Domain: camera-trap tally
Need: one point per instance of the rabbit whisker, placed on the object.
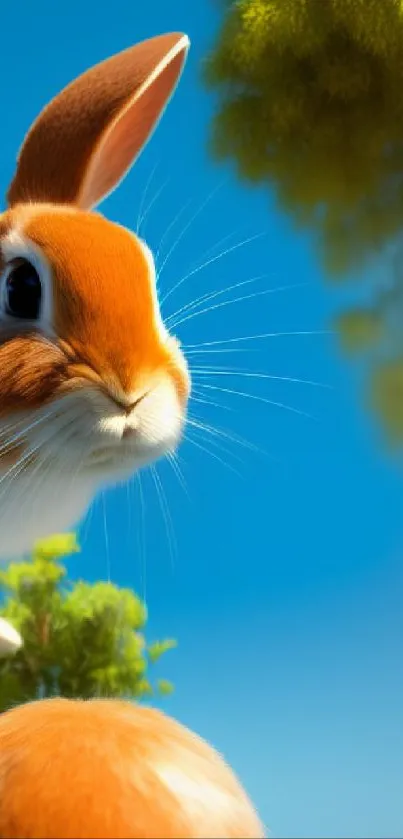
(235, 300)
(144, 196)
(106, 538)
(85, 525)
(151, 204)
(168, 230)
(211, 371)
(173, 460)
(222, 351)
(210, 261)
(255, 338)
(166, 515)
(11, 441)
(20, 465)
(42, 466)
(193, 218)
(142, 537)
(258, 398)
(26, 487)
(6, 428)
(210, 296)
(218, 244)
(9, 428)
(221, 433)
(201, 400)
(208, 451)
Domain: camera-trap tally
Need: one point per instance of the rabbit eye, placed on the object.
(23, 291)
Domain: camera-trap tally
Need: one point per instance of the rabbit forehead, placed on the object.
(103, 283)
(90, 255)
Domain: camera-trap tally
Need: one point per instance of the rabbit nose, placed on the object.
(128, 407)
(130, 428)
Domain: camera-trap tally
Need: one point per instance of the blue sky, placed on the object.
(286, 584)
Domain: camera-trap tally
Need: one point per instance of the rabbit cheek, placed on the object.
(159, 419)
(10, 454)
(31, 373)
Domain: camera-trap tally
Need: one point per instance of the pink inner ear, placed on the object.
(124, 139)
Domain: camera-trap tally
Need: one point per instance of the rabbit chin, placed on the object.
(80, 447)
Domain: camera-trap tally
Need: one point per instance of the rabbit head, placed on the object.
(92, 385)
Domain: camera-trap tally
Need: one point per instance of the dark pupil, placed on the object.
(24, 292)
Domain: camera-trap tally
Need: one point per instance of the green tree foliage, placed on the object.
(386, 396)
(310, 103)
(79, 640)
(359, 330)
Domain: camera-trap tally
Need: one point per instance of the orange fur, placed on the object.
(104, 313)
(107, 768)
(104, 305)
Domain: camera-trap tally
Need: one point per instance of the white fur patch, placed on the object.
(38, 505)
(79, 446)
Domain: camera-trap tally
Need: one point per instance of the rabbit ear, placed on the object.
(87, 138)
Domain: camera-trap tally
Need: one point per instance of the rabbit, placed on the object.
(108, 768)
(92, 384)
